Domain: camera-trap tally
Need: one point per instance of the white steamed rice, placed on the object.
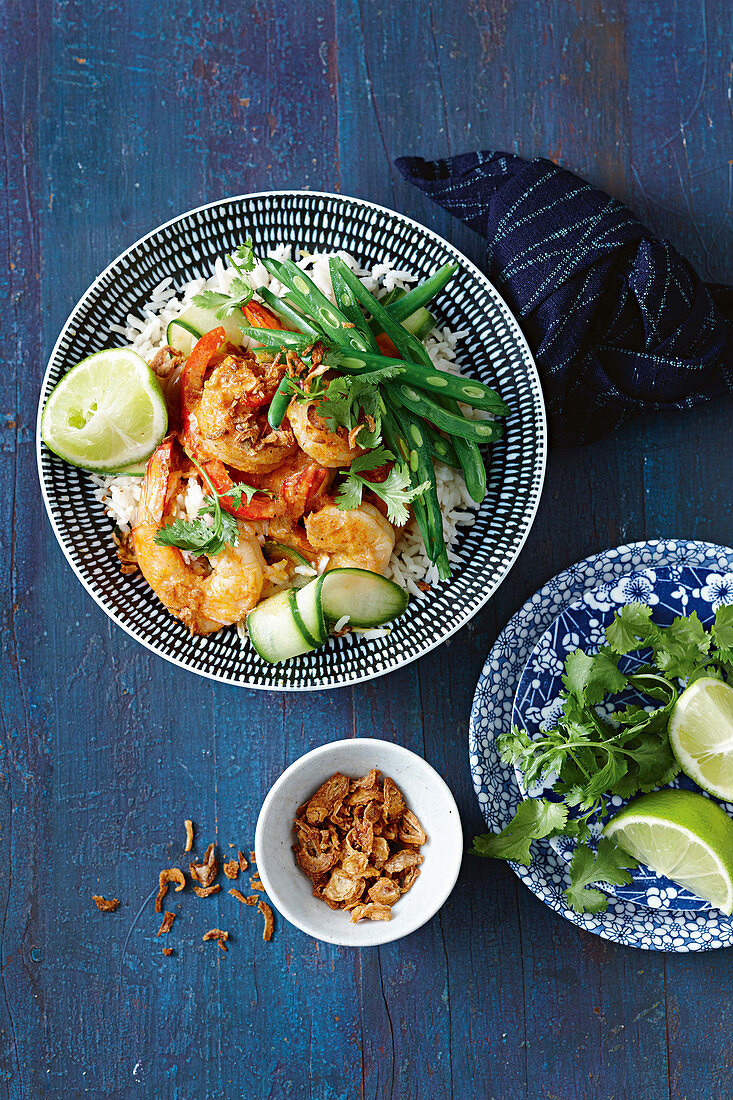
(147, 334)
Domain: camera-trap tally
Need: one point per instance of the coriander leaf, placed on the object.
(210, 299)
(335, 407)
(240, 292)
(652, 684)
(513, 744)
(349, 399)
(241, 489)
(396, 495)
(591, 678)
(243, 257)
(577, 673)
(364, 383)
(198, 537)
(535, 819)
(651, 764)
(609, 864)
(680, 647)
(393, 490)
(723, 627)
(380, 456)
(630, 625)
(191, 535)
(349, 495)
(723, 636)
(604, 779)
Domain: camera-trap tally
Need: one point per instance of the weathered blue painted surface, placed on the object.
(115, 117)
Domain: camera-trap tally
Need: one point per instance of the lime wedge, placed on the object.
(701, 735)
(684, 836)
(108, 412)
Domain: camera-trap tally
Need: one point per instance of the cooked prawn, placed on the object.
(359, 537)
(224, 415)
(298, 484)
(204, 603)
(328, 448)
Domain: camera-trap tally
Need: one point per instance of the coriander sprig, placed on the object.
(395, 490)
(589, 759)
(348, 401)
(199, 537)
(243, 260)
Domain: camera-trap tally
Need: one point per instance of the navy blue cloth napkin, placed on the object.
(618, 321)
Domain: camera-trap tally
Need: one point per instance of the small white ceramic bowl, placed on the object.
(426, 795)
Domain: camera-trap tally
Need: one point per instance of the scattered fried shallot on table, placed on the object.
(217, 934)
(266, 911)
(203, 875)
(206, 891)
(231, 868)
(251, 900)
(105, 905)
(205, 872)
(172, 874)
(165, 927)
(359, 844)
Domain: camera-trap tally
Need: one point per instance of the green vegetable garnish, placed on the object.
(393, 491)
(240, 292)
(608, 864)
(199, 537)
(592, 758)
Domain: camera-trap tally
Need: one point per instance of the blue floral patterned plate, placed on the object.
(670, 591)
(496, 785)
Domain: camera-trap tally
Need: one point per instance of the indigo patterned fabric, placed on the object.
(618, 321)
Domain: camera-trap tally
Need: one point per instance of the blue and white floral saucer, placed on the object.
(670, 591)
(496, 784)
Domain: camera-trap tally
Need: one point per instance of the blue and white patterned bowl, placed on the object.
(670, 591)
(496, 785)
(496, 352)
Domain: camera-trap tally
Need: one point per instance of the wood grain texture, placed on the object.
(115, 118)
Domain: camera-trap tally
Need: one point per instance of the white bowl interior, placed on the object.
(426, 794)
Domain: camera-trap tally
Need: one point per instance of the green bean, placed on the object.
(469, 390)
(318, 307)
(483, 431)
(349, 305)
(275, 268)
(443, 449)
(278, 338)
(280, 401)
(420, 295)
(421, 467)
(397, 443)
(284, 310)
(404, 341)
(470, 458)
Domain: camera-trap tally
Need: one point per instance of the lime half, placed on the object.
(701, 735)
(108, 412)
(683, 836)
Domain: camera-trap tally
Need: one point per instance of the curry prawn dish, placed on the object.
(285, 447)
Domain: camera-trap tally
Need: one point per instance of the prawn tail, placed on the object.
(155, 483)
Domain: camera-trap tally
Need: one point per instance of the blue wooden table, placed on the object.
(116, 116)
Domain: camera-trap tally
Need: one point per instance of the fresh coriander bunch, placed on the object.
(588, 758)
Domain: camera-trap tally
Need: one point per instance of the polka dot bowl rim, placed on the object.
(186, 246)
